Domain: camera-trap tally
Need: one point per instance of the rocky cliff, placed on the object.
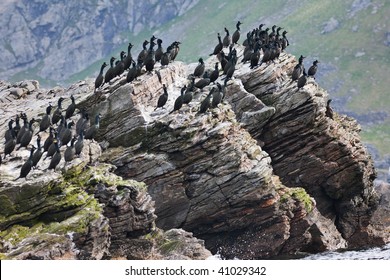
(264, 174)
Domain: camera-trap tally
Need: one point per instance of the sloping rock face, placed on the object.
(264, 174)
(205, 172)
(80, 211)
(310, 150)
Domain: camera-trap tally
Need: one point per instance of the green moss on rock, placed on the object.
(298, 194)
(7, 208)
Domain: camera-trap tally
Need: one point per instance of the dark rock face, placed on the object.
(324, 156)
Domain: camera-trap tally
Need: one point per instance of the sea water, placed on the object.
(377, 253)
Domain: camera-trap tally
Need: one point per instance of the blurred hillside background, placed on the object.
(59, 42)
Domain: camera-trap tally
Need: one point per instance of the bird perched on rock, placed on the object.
(128, 59)
(9, 146)
(149, 59)
(23, 129)
(49, 140)
(110, 72)
(329, 111)
(79, 144)
(298, 69)
(162, 100)
(46, 120)
(55, 160)
(302, 80)
(313, 69)
(58, 112)
(38, 153)
(100, 79)
(232, 67)
(17, 125)
(199, 70)
(71, 108)
(236, 34)
(120, 67)
(91, 132)
(27, 135)
(215, 74)
(227, 40)
(217, 96)
(218, 48)
(175, 50)
(142, 55)
(187, 98)
(202, 83)
(66, 134)
(205, 105)
(285, 42)
(166, 57)
(8, 133)
(179, 100)
(52, 148)
(70, 151)
(255, 56)
(26, 167)
(132, 73)
(159, 52)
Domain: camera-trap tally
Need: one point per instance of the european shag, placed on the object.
(329, 111)
(8, 133)
(199, 70)
(218, 47)
(46, 120)
(215, 74)
(71, 108)
(70, 151)
(26, 167)
(162, 100)
(58, 112)
(55, 160)
(91, 132)
(27, 136)
(66, 134)
(142, 55)
(79, 144)
(38, 153)
(217, 96)
(159, 51)
(302, 80)
(227, 40)
(127, 61)
(313, 69)
(179, 100)
(236, 34)
(205, 105)
(23, 129)
(120, 67)
(100, 79)
(132, 73)
(110, 72)
(9, 146)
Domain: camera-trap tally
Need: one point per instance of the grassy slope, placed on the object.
(362, 81)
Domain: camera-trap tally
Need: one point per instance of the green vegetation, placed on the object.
(298, 194)
(377, 135)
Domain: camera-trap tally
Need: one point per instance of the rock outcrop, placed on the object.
(264, 174)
